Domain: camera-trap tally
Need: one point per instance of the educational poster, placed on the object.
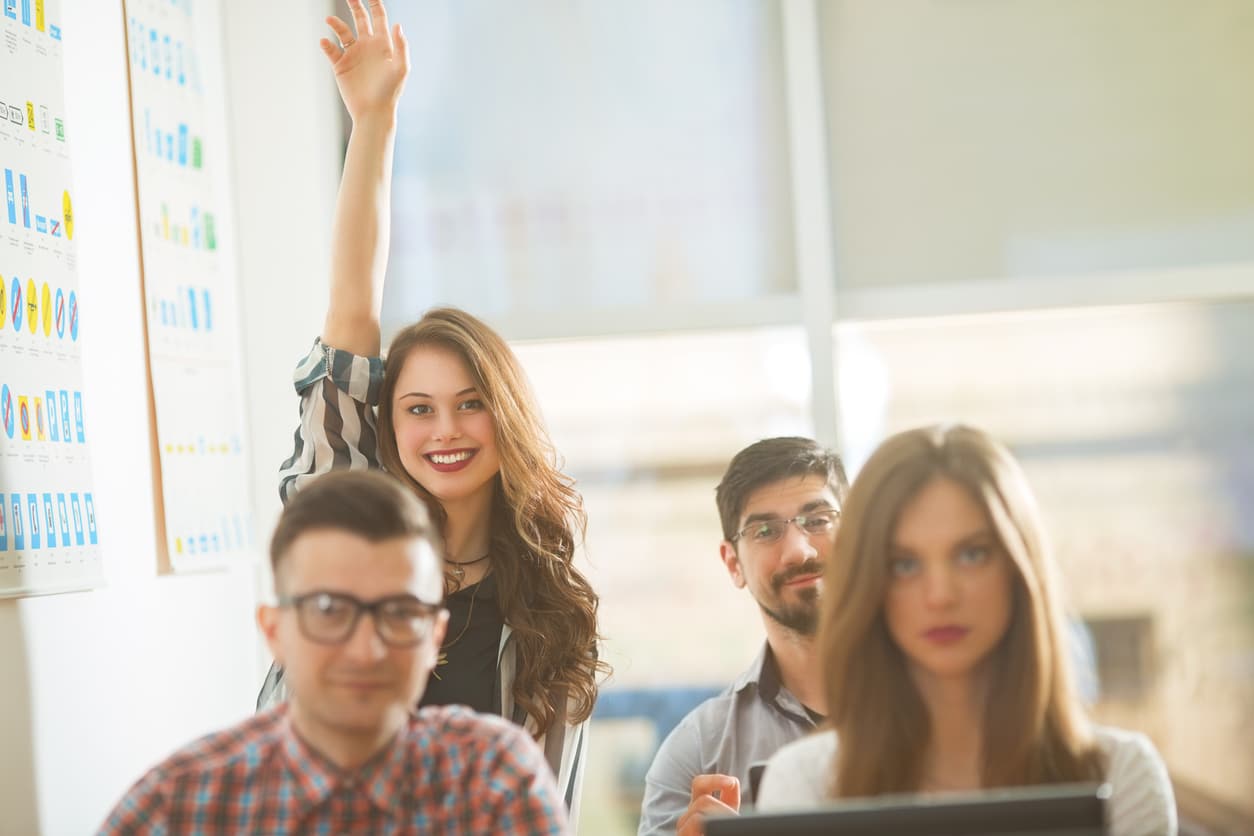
(178, 105)
(48, 526)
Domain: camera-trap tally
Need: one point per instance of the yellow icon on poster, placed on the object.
(39, 419)
(32, 305)
(68, 211)
(39, 15)
(4, 303)
(46, 301)
(30, 115)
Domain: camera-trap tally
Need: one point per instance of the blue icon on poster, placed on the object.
(59, 307)
(91, 518)
(4, 527)
(73, 315)
(65, 416)
(54, 424)
(78, 415)
(32, 502)
(16, 522)
(6, 405)
(15, 302)
(10, 195)
(50, 522)
(65, 520)
(21, 179)
(78, 519)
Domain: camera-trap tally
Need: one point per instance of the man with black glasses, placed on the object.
(357, 627)
(779, 503)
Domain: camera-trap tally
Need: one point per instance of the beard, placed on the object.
(802, 617)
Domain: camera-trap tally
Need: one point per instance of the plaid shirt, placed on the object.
(450, 771)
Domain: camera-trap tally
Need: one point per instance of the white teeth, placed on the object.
(451, 458)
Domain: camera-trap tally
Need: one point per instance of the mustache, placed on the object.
(810, 567)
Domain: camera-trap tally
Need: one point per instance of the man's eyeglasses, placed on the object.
(331, 617)
(766, 532)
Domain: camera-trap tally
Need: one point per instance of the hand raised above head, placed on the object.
(704, 803)
(370, 65)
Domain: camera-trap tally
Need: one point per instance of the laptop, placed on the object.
(1052, 810)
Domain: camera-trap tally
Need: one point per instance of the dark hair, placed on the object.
(370, 504)
(771, 460)
(537, 519)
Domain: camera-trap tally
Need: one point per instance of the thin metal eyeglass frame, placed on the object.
(799, 521)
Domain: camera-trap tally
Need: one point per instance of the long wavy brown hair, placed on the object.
(536, 520)
(1035, 729)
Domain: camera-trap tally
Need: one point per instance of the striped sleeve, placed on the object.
(566, 750)
(338, 393)
(564, 744)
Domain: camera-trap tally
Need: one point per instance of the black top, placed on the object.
(466, 672)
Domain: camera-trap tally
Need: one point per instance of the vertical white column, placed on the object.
(812, 211)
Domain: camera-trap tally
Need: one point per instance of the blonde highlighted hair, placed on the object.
(537, 518)
(1035, 730)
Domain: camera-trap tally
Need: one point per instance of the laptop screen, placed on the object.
(1057, 810)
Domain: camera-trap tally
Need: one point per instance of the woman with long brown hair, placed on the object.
(944, 647)
(457, 423)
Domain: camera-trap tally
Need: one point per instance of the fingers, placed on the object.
(360, 19)
(726, 787)
(378, 16)
(692, 822)
(332, 51)
(402, 46)
(341, 30)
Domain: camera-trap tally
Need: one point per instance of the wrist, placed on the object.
(382, 121)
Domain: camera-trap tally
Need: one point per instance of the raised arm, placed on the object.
(370, 68)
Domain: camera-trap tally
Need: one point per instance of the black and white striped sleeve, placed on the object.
(338, 394)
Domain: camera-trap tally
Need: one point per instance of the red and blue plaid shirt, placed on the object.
(450, 771)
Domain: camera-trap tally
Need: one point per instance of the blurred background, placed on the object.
(706, 223)
(701, 223)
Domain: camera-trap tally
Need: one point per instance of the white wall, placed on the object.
(96, 686)
(287, 143)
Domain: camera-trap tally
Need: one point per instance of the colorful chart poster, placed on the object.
(178, 103)
(48, 526)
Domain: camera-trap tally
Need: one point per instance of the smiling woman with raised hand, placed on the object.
(944, 649)
(450, 414)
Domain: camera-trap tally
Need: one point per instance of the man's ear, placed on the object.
(268, 622)
(731, 560)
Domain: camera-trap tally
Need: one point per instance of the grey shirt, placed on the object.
(726, 734)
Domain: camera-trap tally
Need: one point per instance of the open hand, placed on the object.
(370, 66)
